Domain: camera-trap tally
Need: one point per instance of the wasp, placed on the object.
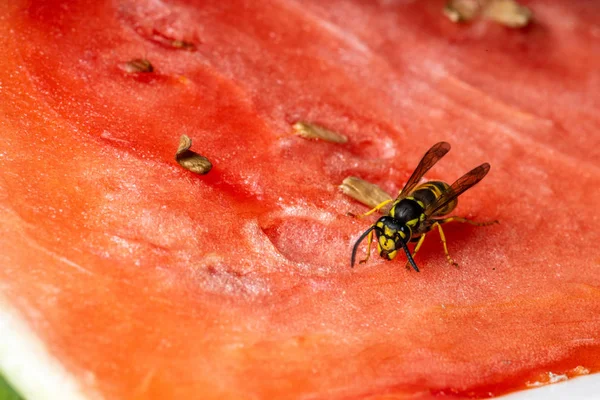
(418, 209)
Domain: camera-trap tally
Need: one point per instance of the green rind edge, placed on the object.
(7, 392)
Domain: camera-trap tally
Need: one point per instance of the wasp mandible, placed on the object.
(418, 209)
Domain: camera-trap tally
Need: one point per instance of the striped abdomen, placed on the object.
(427, 193)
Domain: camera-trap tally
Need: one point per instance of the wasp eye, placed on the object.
(405, 233)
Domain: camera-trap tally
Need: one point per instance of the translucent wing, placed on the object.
(459, 187)
(432, 156)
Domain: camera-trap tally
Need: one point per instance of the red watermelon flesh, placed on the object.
(145, 281)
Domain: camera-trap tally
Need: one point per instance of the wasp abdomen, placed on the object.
(428, 193)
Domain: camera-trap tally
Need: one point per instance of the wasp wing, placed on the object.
(433, 155)
(459, 187)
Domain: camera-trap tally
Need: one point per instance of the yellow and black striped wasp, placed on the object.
(418, 209)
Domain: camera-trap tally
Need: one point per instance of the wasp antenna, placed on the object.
(410, 259)
(355, 248)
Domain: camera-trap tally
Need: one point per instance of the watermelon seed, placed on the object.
(461, 10)
(138, 65)
(190, 160)
(506, 12)
(312, 131)
(364, 192)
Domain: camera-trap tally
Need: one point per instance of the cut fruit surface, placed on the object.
(141, 280)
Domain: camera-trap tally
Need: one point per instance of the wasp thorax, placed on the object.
(389, 232)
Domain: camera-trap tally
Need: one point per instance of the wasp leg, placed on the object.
(417, 247)
(443, 238)
(377, 208)
(468, 221)
(369, 239)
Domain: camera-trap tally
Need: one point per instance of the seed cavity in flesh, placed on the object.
(169, 42)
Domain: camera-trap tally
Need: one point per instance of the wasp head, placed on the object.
(392, 235)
